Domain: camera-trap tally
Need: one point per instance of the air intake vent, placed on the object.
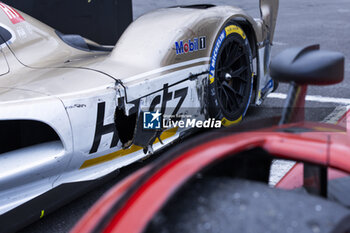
(17, 134)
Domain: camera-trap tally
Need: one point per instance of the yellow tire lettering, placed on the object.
(234, 29)
(211, 79)
(226, 122)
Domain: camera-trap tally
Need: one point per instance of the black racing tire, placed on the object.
(230, 75)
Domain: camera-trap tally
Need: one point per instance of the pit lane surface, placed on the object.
(299, 23)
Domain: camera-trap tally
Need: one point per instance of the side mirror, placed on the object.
(301, 67)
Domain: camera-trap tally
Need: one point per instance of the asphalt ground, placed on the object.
(300, 23)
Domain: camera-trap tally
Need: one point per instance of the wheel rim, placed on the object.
(232, 76)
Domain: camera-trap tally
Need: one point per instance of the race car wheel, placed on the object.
(230, 76)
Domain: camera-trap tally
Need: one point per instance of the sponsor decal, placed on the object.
(11, 13)
(234, 29)
(103, 129)
(149, 123)
(167, 96)
(214, 56)
(190, 46)
(152, 120)
(227, 31)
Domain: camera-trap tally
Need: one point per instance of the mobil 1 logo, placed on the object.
(192, 45)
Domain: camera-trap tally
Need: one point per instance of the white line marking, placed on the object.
(314, 98)
(279, 169)
(279, 43)
(337, 113)
(156, 71)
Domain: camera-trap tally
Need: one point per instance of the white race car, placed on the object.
(73, 111)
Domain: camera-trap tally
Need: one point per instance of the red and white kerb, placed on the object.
(13, 15)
